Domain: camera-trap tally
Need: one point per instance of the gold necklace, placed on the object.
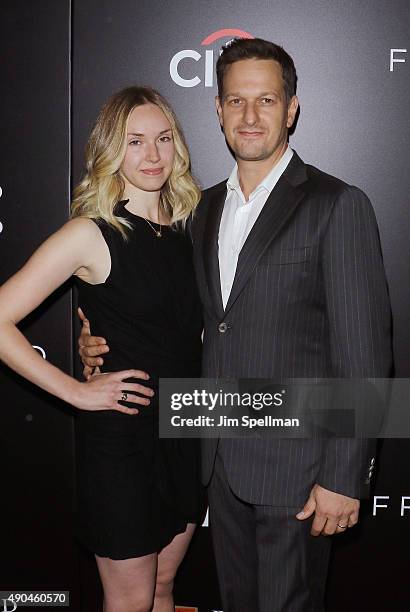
(158, 233)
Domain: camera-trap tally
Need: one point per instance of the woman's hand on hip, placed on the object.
(105, 391)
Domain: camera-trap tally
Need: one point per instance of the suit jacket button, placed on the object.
(222, 327)
(372, 461)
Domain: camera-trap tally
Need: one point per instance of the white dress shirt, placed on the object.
(238, 218)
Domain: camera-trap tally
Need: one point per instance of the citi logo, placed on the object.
(208, 65)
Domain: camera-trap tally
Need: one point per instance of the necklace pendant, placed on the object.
(158, 234)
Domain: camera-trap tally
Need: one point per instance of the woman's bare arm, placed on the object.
(70, 249)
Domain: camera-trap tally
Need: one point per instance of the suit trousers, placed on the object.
(267, 561)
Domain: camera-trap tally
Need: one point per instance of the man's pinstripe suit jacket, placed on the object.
(309, 299)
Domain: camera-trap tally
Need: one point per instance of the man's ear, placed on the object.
(292, 110)
(218, 106)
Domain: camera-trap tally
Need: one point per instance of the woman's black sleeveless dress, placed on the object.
(136, 491)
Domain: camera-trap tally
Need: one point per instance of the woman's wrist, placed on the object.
(72, 391)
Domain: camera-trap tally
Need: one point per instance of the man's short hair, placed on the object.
(256, 48)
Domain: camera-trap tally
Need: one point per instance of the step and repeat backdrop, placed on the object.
(60, 61)
(36, 432)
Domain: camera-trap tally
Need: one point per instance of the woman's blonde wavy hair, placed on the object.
(102, 186)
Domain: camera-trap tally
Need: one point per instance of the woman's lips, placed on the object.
(152, 171)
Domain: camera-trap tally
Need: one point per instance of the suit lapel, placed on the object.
(279, 207)
(210, 248)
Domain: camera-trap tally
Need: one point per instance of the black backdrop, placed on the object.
(60, 60)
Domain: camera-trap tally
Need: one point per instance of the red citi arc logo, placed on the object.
(227, 32)
(196, 56)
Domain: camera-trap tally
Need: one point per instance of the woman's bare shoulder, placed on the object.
(82, 225)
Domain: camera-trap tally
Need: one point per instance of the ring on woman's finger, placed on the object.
(342, 526)
(124, 396)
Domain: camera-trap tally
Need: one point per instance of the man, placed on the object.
(290, 273)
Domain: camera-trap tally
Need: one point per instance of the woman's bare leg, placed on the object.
(169, 560)
(128, 584)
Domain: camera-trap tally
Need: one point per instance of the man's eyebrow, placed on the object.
(263, 93)
(269, 93)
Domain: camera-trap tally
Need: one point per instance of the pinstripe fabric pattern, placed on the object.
(286, 571)
(309, 299)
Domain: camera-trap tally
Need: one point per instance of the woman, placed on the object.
(138, 496)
